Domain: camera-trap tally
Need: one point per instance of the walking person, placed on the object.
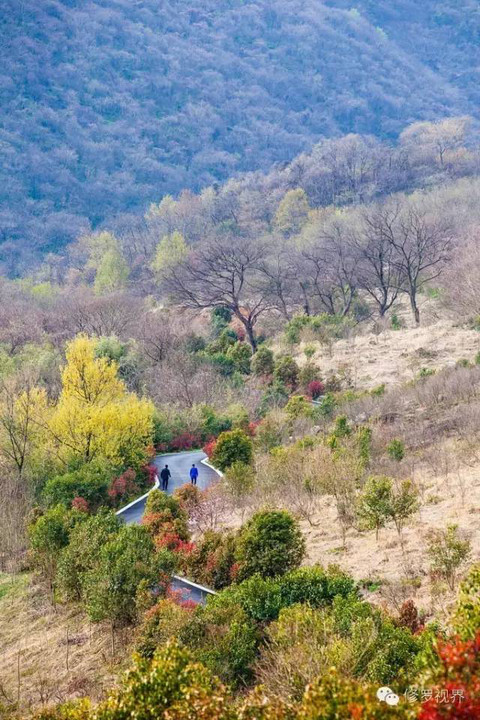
(193, 474)
(164, 476)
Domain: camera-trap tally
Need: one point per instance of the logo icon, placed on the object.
(384, 694)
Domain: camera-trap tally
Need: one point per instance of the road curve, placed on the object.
(179, 465)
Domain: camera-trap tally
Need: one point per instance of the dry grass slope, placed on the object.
(50, 654)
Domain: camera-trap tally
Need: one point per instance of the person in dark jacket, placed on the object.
(164, 476)
(193, 474)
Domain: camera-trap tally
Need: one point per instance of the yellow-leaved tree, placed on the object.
(95, 415)
(21, 404)
(170, 251)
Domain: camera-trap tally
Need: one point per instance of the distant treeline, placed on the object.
(108, 106)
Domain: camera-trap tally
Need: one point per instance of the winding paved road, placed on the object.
(179, 465)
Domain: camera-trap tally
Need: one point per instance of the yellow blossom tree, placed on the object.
(95, 415)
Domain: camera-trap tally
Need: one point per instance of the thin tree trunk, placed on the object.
(250, 334)
(414, 306)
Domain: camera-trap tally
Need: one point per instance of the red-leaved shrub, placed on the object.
(149, 471)
(457, 692)
(185, 441)
(209, 447)
(123, 485)
(170, 540)
(315, 389)
(79, 503)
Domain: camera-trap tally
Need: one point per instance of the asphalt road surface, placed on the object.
(179, 465)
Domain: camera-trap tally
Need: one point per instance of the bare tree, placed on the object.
(185, 381)
(422, 247)
(378, 271)
(224, 272)
(116, 314)
(281, 273)
(328, 271)
(157, 336)
(15, 505)
(462, 278)
(20, 320)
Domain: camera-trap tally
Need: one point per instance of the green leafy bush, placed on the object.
(48, 535)
(298, 406)
(467, 615)
(275, 396)
(225, 639)
(396, 450)
(448, 551)
(316, 586)
(262, 361)
(374, 503)
(240, 353)
(269, 544)
(286, 371)
(125, 563)
(91, 482)
(212, 561)
(172, 685)
(81, 555)
(232, 446)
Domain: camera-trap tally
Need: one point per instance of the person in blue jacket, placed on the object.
(193, 474)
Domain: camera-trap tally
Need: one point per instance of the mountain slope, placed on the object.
(107, 105)
(445, 35)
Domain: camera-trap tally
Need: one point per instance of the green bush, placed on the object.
(224, 639)
(232, 446)
(448, 552)
(275, 396)
(263, 361)
(221, 362)
(125, 563)
(81, 555)
(316, 586)
(238, 417)
(298, 406)
(335, 697)
(259, 597)
(90, 482)
(269, 544)
(467, 614)
(241, 355)
(220, 318)
(286, 371)
(396, 450)
(239, 481)
(375, 503)
(171, 685)
(48, 535)
(213, 559)
(263, 598)
(225, 340)
(158, 501)
(326, 407)
(165, 514)
(342, 428)
(308, 374)
(212, 424)
(163, 622)
(325, 327)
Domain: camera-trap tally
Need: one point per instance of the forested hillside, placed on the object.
(444, 35)
(107, 105)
